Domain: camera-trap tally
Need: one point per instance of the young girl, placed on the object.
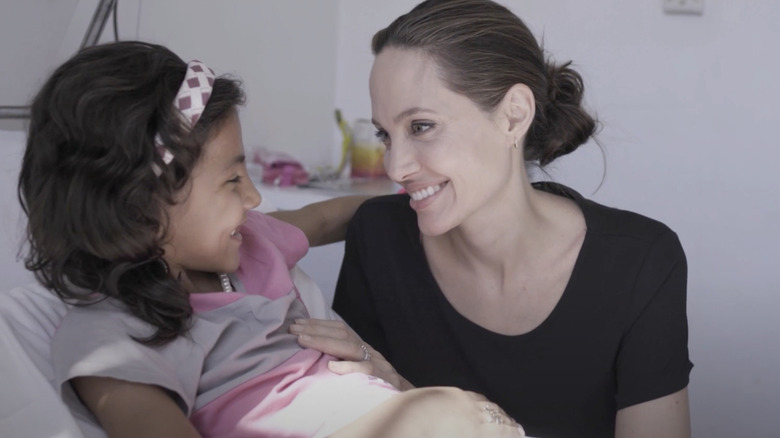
(141, 213)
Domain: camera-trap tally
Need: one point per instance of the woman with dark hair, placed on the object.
(569, 314)
(141, 214)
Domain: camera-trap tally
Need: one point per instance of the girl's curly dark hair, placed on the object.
(95, 206)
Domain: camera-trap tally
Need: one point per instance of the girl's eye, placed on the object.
(235, 180)
(420, 127)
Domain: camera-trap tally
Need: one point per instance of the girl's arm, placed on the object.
(127, 409)
(667, 416)
(325, 221)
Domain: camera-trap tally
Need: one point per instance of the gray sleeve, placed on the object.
(97, 340)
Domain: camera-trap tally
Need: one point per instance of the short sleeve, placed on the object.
(653, 357)
(97, 340)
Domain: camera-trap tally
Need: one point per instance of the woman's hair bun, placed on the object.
(563, 124)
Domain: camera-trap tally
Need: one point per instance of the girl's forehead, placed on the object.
(225, 147)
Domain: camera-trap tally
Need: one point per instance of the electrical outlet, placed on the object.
(695, 7)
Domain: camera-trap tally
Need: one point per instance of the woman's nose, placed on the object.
(400, 162)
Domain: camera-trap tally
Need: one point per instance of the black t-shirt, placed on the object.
(617, 337)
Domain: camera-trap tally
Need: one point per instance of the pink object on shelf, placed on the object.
(280, 168)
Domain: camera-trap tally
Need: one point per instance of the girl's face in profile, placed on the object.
(451, 156)
(203, 235)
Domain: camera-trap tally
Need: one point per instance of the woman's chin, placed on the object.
(431, 228)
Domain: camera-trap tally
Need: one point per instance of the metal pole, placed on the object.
(14, 112)
(91, 38)
(95, 28)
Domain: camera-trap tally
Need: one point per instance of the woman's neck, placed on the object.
(510, 234)
(495, 232)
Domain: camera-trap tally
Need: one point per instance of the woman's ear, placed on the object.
(519, 106)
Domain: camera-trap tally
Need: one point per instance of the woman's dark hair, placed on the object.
(94, 203)
(483, 49)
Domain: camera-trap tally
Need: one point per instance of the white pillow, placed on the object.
(29, 403)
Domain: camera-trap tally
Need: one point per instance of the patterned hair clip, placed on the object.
(194, 92)
(190, 101)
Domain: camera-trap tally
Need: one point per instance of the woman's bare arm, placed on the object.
(127, 409)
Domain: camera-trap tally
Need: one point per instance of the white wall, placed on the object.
(283, 50)
(689, 106)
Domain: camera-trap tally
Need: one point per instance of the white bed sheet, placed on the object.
(29, 404)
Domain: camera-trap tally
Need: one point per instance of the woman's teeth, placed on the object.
(426, 192)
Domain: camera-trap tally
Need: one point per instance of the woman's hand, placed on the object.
(335, 338)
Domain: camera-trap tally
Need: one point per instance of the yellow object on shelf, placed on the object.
(346, 142)
(367, 151)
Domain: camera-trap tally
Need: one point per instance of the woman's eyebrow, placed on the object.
(410, 112)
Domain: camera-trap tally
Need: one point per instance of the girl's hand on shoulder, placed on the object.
(336, 338)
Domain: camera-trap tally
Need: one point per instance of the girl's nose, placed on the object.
(251, 196)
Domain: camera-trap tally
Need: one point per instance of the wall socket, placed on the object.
(695, 7)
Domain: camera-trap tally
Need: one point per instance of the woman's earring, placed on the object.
(515, 145)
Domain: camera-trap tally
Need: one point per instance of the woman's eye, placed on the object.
(381, 135)
(420, 127)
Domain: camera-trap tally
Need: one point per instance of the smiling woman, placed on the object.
(570, 314)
